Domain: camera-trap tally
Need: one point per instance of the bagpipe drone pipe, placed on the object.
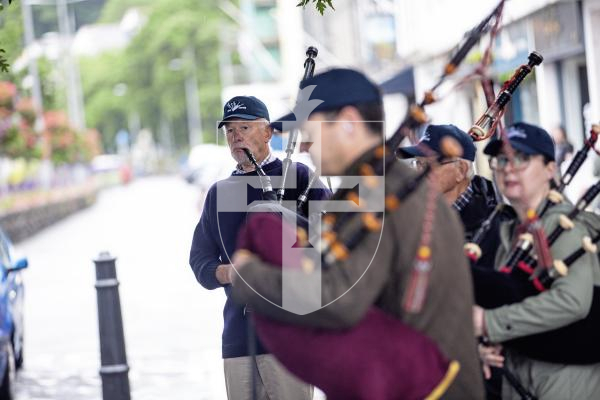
(309, 70)
(487, 123)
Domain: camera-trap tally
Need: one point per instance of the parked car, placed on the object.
(111, 169)
(206, 164)
(11, 316)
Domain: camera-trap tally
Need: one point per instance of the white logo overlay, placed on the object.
(301, 287)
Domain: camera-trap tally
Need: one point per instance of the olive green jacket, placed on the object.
(568, 300)
(349, 288)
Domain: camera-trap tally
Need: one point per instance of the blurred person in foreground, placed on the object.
(246, 125)
(344, 129)
(526, 181)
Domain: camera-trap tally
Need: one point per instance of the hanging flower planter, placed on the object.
(8, 93)
(26, 111)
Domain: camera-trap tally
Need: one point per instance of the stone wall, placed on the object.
(21, 225)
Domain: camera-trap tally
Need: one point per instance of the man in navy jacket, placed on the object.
(246, 125)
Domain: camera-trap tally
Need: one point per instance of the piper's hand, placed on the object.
(491, 356)
(478, 321)
(240, 259)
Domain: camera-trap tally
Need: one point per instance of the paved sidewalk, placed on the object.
(172, 325)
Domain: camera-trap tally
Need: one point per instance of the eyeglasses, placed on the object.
(421, 164)
(519, 161)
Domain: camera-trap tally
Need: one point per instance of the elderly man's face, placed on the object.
(447, 174)
(253, 135)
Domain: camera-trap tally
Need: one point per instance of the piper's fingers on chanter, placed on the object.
(491, 355)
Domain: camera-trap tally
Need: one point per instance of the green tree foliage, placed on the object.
(2, 5)
(155, 91)
(11, 33)
(104, 110)
(3, 62)
(54, 93)
(321, 5)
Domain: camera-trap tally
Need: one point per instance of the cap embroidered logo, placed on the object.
(515, 132)
(234, 105)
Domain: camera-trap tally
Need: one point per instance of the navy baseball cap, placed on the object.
(244, 107)
(329, 91)
(526, 138)
(432, 138)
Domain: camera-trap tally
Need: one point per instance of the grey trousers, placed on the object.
(273, 381)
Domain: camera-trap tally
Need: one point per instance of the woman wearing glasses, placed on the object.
(524, 175)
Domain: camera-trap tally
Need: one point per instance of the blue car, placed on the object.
(11, 316)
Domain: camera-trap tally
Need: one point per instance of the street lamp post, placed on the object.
(74, 92)
(192, 97)
(36, 89)
(122, 138)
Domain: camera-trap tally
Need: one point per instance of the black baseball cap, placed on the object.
(432, 138)
(244, 107)
(526, 138)
(329, 91)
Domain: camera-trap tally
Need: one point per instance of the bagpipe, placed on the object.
(524, 275)
(472, 249)
(416, 115)
(380, 358)
(383, 157)
(380, 344)
(487, 123)
(268, 193)
(274, 202)
(486, 126)
(265, 180)
(366, 361)
(589, 144)
(309, 70)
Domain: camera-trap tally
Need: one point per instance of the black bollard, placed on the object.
(114, 369)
